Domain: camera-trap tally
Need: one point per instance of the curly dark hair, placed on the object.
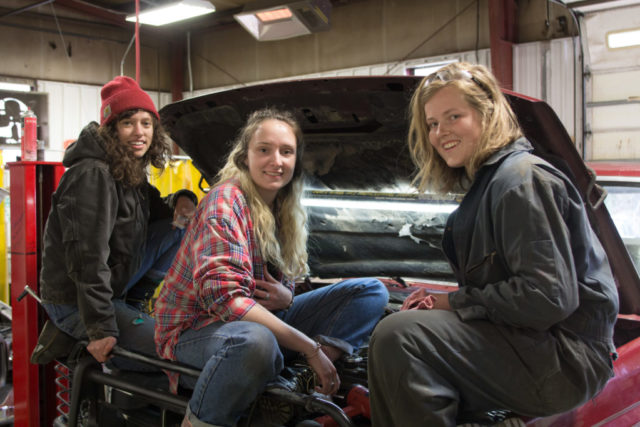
(124, 166)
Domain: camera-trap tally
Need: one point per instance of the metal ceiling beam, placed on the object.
(98, 12)
(503, 29)
(24, 9)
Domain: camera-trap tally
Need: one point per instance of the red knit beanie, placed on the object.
(122, 94)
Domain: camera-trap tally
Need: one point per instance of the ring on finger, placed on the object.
(267, 296)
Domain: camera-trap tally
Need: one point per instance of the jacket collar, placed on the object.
(88, 145)
(521, 144)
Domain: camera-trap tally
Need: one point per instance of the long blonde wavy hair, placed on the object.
(282, 234)
(499, 125)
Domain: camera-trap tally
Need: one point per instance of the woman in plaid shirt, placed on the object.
(228, 305)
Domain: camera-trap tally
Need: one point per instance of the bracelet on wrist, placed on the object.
(290, 302)
(315, 351)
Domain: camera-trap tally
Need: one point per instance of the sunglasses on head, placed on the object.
(447, 76)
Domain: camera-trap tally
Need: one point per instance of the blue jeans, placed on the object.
(136, 328)
(238, 359)
(161, 247)
(136, 331)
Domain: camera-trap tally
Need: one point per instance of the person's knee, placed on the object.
(255, 346)
(379, 290)
(374, 285)
(258, 339)
(387, 333)
(402, 331)
(375, 291)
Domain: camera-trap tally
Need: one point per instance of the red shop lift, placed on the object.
(32, 184)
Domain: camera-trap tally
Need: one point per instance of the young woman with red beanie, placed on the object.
(109, 231)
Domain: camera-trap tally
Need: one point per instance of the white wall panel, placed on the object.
(564, 94)
(56, 107)
(163, 98)
(616, 117)
(615, 130)
(547, 71)
(528, 65)
(615, 133)
(615, 86)
(71, 106)
(90, 99)
(616, 145)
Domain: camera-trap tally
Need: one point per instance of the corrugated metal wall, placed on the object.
(548, 71)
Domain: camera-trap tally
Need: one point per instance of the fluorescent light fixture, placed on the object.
(173, 12)
(18, 87)
(270, 16)
(426, 69)
(380, 205)
(277, 20)
(626, 38)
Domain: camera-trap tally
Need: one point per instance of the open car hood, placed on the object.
(364, 217)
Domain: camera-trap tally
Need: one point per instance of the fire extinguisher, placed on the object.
(29, 136)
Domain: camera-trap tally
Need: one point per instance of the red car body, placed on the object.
(623, 170)
(618, 405)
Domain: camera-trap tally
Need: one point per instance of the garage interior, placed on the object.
(61, 52)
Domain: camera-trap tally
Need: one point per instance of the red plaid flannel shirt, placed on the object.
(212, 276)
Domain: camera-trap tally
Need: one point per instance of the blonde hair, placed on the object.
(499, 125)
(282, 238)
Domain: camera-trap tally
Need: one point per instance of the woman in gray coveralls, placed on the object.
(530, 327)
